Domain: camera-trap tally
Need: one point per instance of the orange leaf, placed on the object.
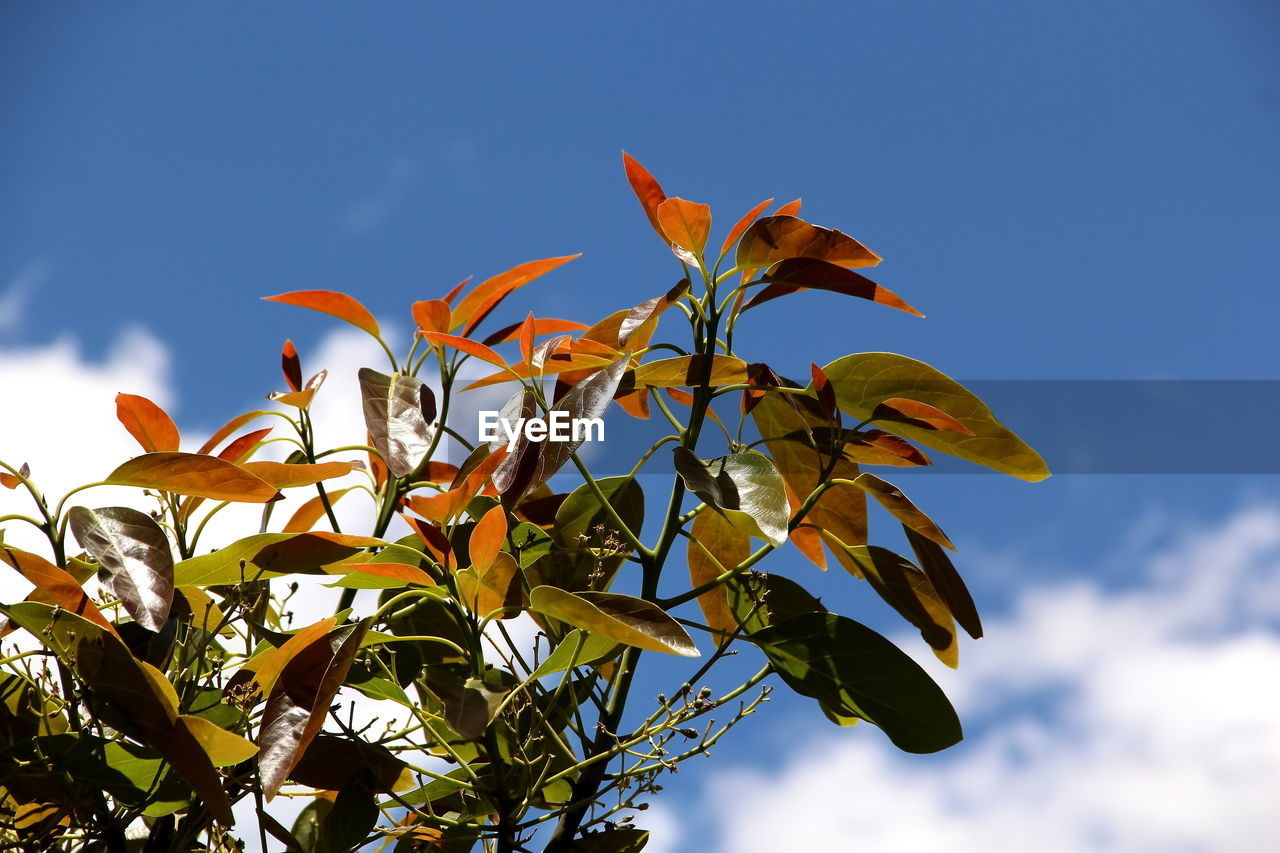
(228, 428)
(193, 474)
(147, 422)
(554, 365)
(432, 315)
(333, 303)
(487, 538)
(685, 223)
(526, 338)
(915, 413)
(239, 449)
(306, 516)
(285, 475)
(54, 586)
(457, 288)
(777, 238)
(647, 190)
(791, 208)
(690, 370)
(477, 304)
(741, 225)
(467, 345)
(545, 326)
(9, 481)
(798, 274)
(684, 398)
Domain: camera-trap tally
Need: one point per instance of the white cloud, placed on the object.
(1101, 720)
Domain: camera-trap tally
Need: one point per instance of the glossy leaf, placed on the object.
(690, 371)
(300, 399)
(477, 304)
(796, 274)
(622, 618)
(791, 208)
(865, 380)
(134, 552)
(891, 498)
(394, 417)
(263, 669)
(646, 313)
(147, 422)
(54, 586)
(331, 302)
(854, 672)
(193, 474)
(745, 487)
(582, 517)
(646, 189)
(284, 475)
(240, 449)
(224, 748)
(778, 238)
(876, 447)
(715, 547)
(685, 223)
(300, 700)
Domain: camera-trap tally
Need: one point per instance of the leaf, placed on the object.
(576, 649)
(300, 399)
(647, 312)
(224, 748)
(469, 704)
(306, 516)
(899, 410)
(865, 380)
(331, 302)
(541, 326)
(583, 517)
(907, 590)
(238, 450)
(876, 447)
(105, 665)
(487, 591)
(284, 475)
(9, 481)
(946, 580)
(854, 672)
(487, 538)
(54, 586)
(685, 223)
(759, 600)
(715, 547)
(291, 366)
(394, 417)
(778, 238)
(466, 345)
(745, 487)
(741, 225)
(300, 700)
(625, 840)
(228, 428)
(147, 422)
(477, 304)
(622, 618)
(791, 208)
(432, 315)
(263, 669)
(134, 552)
(193, 474)
(646, 189)
(691, 371)
(892, 499)
(796, 274)
(268, 555)
(331, 762)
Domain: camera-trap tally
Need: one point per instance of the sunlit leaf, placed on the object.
(487, 538)
(466, 345)
(691, 371)
(759, 599)
(865, 380)
(147, 422)
(576, 649)
(306, 516)
(745, 487)
(646, 189)
(646, 313)
(54, 586)
(741, 225)
(268, 555)
(393, 414)
(778, 238)
(10, 481)
(193, 474)
(622, 618)
(583, 518)
(240, 449)
(477, 304)
(331, 302)
(284, 475)
(300, 700)
(855, 672)
(291, 366)
(892, 499)
(134, 552)
(541, 326)
(715, 547)
(796, 274)
(685, 223)
(224, 748)
(228, 428)
(915, 413)
(791, 208)
(489, 589)
(300, 399)
(946, 580)
(876, 447)
(432, 315)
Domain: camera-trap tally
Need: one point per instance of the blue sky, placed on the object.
(1080, 190)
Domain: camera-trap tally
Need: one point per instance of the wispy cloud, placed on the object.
(1134, 720)
(373, 210)
(16, 296)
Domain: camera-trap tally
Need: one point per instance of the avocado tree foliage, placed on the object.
(152, 679)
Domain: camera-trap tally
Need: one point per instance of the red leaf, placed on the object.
(457, 288)
(331, 302)
(149, 424)
(467, 345)
(647, 190)
(742, 224)
(791, 208)
(915, 413)
(798, 274)
(432, 315)
(477, 304)
(291, 366)
(238, 450)
(685, 223)
(544, 326)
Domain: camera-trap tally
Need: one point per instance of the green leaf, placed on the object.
(270, 555)
(864, 380)
(395, 409)
(469, 703)
(854, 672)
(745, 487)
(612, 841)
(622, 618)
(134, 552)
(759, 600)
(578, 648)
(579, 516)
